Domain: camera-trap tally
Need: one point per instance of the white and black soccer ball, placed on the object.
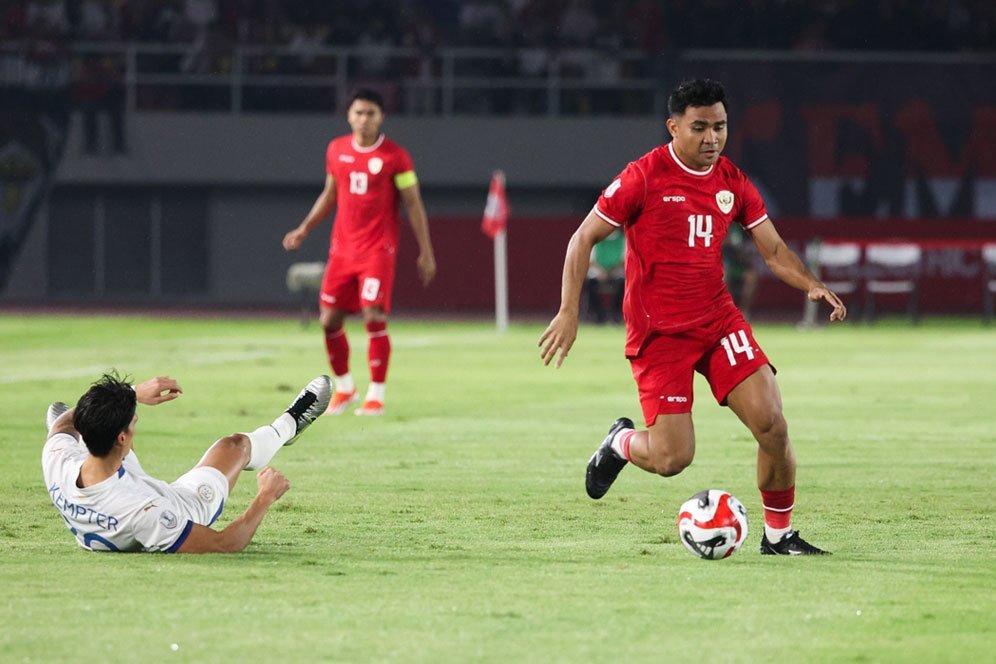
(712, 524)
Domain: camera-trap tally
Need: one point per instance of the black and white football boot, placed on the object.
(791, 544)
(605, 464)
(310, 404)
(53, 413)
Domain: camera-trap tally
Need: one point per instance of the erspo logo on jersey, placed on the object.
(673, 199)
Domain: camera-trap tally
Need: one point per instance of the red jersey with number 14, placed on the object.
(367, 183)
(675, 219)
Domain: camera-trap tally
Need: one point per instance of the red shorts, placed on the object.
(350, 284)
(723, 350)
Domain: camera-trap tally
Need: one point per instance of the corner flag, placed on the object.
(496, 210)
(494, 226)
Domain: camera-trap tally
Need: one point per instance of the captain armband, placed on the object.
(405, 180)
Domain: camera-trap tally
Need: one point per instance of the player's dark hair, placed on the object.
(366, 94)
(103, 412)
(697, 92)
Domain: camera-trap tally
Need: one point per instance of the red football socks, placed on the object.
(337, 347)
(379, 351)
(620, 443)
(778, 507)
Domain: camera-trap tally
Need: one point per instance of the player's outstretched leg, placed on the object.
(53, 413)
(791, 544)
(605, 463)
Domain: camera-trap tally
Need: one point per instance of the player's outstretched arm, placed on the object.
(419, 220)
(560, 334)
(237, 535)
(323, 205)
(788, 267)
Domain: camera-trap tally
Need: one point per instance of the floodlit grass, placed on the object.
(456, 528)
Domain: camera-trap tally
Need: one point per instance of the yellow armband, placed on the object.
(405, 180)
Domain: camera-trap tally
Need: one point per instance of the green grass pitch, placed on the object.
(456, 527)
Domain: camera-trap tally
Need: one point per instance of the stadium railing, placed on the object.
(460, 80)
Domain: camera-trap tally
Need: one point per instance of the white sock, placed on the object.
(617, 443)
(344, 383)
(776, 534)
(376, 392)
(265, 441)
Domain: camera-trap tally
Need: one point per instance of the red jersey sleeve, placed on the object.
(621, 202)
(752, 210)
(329, 159)
(404, 162)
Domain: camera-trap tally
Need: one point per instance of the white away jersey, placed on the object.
(129, 511)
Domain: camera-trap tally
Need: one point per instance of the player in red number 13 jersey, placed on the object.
(367, 176)
(675, 205)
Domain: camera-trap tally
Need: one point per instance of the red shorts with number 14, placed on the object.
(723, 350)
(352, 284)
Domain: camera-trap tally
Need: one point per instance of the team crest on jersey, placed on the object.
(375, 164)
(724, 200)
(169, 519)
(205, 493)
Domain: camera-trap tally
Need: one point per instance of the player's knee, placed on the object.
(671, 463)
(329, 322)
(671, 466)
(237, 442)
(771, 426)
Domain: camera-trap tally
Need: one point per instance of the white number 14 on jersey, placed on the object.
(737, 344)
(699, 226)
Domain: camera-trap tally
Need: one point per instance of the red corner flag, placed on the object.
(496, 210)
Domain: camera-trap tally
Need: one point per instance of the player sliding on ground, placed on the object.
(366, 176)
(111, 504)
(675, 205)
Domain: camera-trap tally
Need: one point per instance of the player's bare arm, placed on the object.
(151, 393)
(157, 390)
(321, 209)
(788, 267)
(560, 334)
(237, 535)
(419, 220)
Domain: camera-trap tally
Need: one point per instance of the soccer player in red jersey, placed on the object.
(675, 205)
(366, 176)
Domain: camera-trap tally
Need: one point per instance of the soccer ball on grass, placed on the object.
(712, 524)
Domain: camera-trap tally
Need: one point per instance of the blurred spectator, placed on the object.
(376, 42)
(306, 43)
(97, 20)
(98, 92)
(738, 268)
(606, 279)
(579, 22)
(47, 18)
(482, 23)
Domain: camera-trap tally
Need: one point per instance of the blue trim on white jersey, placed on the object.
(121, 472)
(90, 538)
(182, 538)
(218, 513)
